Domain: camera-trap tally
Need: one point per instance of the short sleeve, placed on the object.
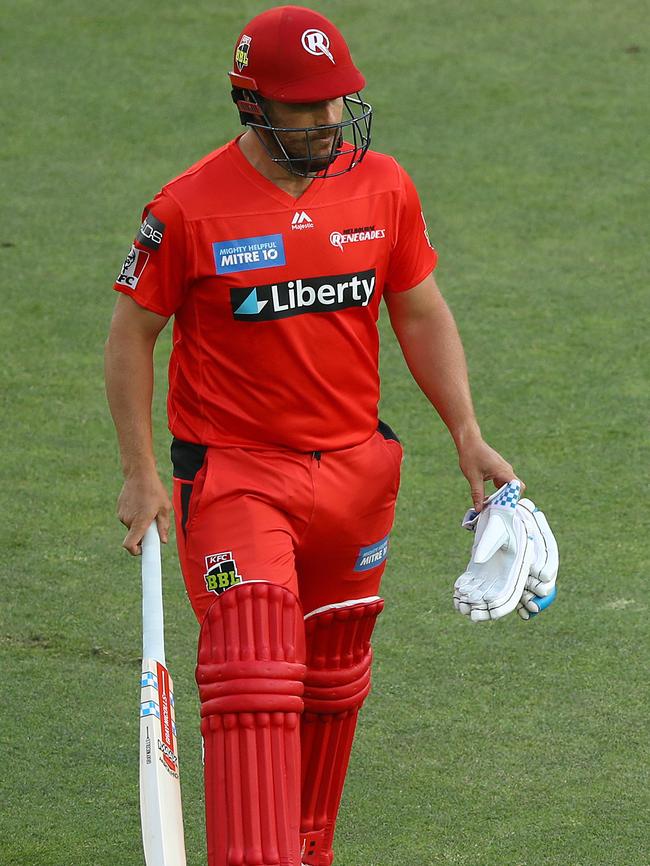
(154, 272)
(412, 257)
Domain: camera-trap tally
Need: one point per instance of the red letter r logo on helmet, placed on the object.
(317, 43)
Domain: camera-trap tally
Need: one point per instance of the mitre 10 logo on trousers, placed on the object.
(308, 295)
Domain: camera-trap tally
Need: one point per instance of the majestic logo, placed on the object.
(241, 54)
(317, 43)
(248, 254)
(132, 268)
(301, 220)
(372, 556)
(356, 235)
(151, 232)
(311, 295)
(221, 572)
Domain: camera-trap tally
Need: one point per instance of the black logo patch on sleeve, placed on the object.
(151, 232)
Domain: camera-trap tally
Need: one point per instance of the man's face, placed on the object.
(319, 146)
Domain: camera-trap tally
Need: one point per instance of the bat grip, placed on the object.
(153, 641)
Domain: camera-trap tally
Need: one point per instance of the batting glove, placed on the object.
(514, 559)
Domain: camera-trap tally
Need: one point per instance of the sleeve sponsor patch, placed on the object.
(151, 232)
(134, 264)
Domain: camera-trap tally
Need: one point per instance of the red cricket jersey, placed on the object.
(276, 299)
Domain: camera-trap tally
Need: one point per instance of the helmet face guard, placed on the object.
(343, 154)
(293, 55)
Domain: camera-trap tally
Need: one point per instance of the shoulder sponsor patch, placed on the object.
(248, 254)
(134, 264)
(151, 232)
(372, 556)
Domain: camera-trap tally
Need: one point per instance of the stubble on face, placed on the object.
(315, 149)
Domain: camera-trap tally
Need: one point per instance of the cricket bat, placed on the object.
(160, 790)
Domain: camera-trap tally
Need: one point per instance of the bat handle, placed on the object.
(153, 640)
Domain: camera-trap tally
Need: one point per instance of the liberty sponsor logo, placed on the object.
(151, 232)
(132, 268)
(372, 556)
(308, 295)
(221, 572)
(248, 254)
(317, 43)
(301, 220)
(241, 54)
(356, 235)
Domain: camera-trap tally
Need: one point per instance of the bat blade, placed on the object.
(160, 790)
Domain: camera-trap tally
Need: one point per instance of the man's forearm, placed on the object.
(434, 353)
(129, 388)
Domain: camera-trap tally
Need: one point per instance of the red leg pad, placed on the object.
(337, 682)
(250, 674)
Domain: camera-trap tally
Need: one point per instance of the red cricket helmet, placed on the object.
(295, 55)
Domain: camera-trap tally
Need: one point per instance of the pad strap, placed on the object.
(250, 675)
(337, 682)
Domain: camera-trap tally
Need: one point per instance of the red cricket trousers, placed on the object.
(316, 523)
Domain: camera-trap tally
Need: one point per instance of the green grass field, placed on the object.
(525, 126)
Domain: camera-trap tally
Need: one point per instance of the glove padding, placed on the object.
(540, 588)
(514, 559)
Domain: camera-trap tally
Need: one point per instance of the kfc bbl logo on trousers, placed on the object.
(221, 572)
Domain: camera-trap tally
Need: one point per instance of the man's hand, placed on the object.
(480, 463)
(142, 499)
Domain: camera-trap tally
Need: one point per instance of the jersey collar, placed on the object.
(268, 187)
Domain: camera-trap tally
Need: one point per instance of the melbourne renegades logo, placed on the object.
(221, 572)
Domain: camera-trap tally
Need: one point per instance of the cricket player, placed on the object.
(272, 254)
